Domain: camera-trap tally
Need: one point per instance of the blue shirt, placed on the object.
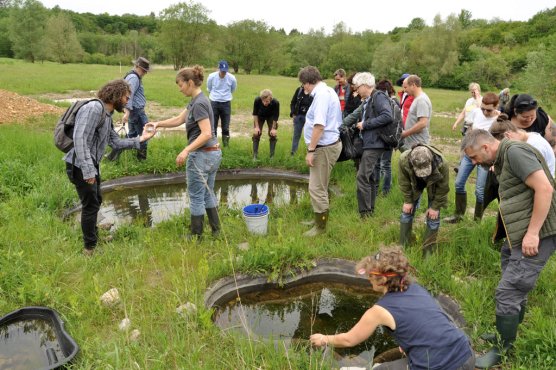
(424, 331)
(325, 111)
(137, 98)
(221, 89)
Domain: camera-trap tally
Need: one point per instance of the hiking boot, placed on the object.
(88, 252)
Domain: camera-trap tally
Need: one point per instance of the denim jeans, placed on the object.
(222, 110)
(298, 123)
(136, 122)
(383, 169)
(407, 218)
(91, 199)
(201, 172)
(465, 169)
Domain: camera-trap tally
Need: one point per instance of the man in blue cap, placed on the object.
(221, 84)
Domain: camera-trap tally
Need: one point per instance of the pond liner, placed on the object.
(67, 344)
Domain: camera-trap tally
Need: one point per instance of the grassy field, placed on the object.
(157, 270)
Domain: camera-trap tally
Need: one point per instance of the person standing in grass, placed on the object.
(134, 111)
(90, 141)
(221, 85)
(322, 137)
(265, 109)
(528, 212)
(417, 125)
(427, 336)
(472, 103)
(202, 155)
(299, 105)
(420, 168)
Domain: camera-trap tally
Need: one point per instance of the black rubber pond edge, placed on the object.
(332, 270)
(68, 346)
(179, 178)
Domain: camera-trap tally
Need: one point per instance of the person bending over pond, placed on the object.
(424, 332)
(202, 155)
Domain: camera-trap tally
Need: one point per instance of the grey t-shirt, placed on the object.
(198, 109)
(421, 107)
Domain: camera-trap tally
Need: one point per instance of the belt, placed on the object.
(324, 146)
(210, 148)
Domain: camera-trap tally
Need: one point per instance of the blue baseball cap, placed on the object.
(223, 66)
(400, 80)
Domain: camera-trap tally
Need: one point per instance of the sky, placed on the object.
(381, 16)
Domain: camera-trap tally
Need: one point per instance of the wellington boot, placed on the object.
(214, 221)
(507, 328)
(255, 149)
(225, 141)
(461, 205)
(491, 337)
(196, 228)
(405, 233)
(320, 224)
(308, 222)
(272, 147)
(142, 154)
(479, 210)
(429, 241)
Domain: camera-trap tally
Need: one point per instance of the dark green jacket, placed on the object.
(516, 198)
(438, 185)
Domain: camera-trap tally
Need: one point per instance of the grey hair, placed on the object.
(364, 78)
(476, 138)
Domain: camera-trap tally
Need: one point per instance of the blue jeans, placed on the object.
(201, 170)
(298, 123)
(136, 122)
(222, 110)
(407, 218)
(383, 169)
(465, 169)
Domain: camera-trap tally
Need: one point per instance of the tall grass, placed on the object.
(157, 270)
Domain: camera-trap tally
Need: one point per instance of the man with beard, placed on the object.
(90, 138)
(528, 212)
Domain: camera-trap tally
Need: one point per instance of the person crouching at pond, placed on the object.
(427, 336)
(90, 141)
(420, 168)
(265, 109)
(202, 155)
(322, 137)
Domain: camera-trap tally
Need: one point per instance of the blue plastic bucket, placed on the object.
(256, 218)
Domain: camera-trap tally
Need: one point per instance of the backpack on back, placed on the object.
(391, 134)
(63, 132)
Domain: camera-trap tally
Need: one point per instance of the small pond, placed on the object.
(295, 313)
(157, 203)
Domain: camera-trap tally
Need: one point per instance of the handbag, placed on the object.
(352, 144)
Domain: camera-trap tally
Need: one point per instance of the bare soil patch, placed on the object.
(18, 108)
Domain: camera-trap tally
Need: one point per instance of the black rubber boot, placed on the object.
(225, 141)
(479, 210)
(507, 328)
(196, 227)
(142, 154)
(405, 233)
(272, 147)
(491, 337)
(429, 241)
(114, 155)
(320, 224)
(255, 149)
(461, 205)
(214, 221)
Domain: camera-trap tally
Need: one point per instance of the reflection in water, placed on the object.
(298, 312)
(28, 344)
(157, 203)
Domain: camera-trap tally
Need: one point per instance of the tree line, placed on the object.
(450, 53)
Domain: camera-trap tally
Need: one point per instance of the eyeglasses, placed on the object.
(488, 110)
(526, 103)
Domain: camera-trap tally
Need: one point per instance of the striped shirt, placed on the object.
(137, 98)
(89, 143)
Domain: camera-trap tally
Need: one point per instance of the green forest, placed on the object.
(449, 53)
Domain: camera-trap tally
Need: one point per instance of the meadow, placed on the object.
(157, 270)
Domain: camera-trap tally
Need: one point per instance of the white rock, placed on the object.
(111, 297)
(124, 324)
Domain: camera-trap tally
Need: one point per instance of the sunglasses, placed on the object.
(526, 103)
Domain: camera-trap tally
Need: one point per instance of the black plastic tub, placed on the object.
(35, 338)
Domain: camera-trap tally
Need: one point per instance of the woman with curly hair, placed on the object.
(424, 332)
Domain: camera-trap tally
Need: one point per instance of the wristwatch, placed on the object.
(310, 150)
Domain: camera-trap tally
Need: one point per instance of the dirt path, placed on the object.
(17, 108)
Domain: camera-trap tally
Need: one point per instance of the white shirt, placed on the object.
(538, 142)
(325, 111)
(479, 121)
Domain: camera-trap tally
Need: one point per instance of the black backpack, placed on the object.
(63, 132)
(391, 134)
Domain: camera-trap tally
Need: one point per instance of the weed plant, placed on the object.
(157, 269)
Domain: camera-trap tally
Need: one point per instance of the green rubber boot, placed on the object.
(461, 205)
(405, 233)
(507, 328)
(320, 224)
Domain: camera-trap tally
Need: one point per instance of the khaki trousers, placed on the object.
(324, 159)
